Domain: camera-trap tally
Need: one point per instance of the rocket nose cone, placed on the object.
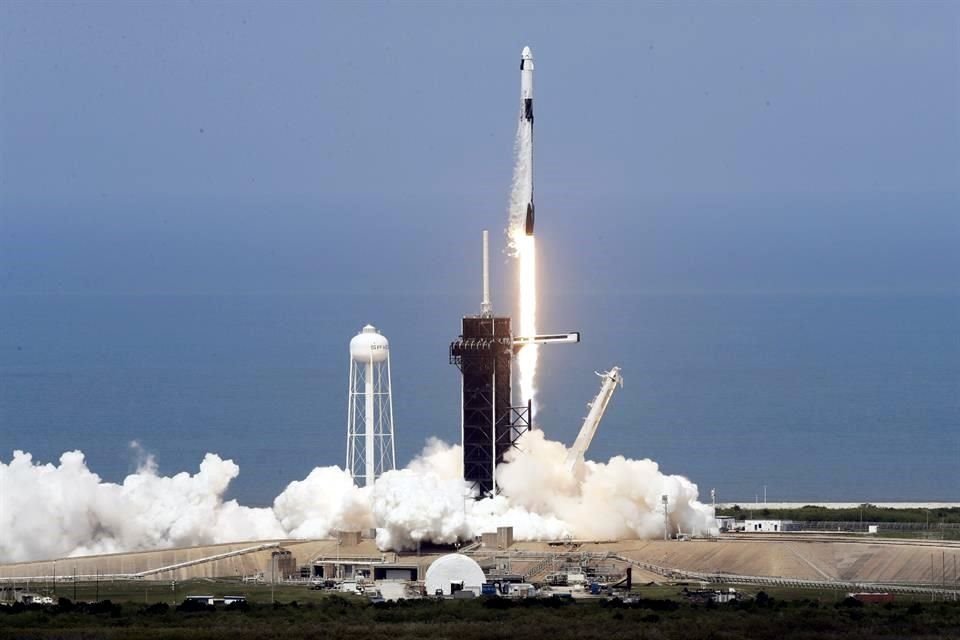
(526, 54)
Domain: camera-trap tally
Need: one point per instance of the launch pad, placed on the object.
(490, 424)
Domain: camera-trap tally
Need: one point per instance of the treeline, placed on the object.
(865, 513)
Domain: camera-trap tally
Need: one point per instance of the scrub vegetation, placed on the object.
(335, 616)
(862, 513)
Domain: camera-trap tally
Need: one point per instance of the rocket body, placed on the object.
(526, 83)
(526, 119)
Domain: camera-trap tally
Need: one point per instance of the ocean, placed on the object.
(809, 397)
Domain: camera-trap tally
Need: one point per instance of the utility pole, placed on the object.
(74, 583)
(338, 572)
(666, 519)
(96, 597)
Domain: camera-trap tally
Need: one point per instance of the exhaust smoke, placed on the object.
(65, 509)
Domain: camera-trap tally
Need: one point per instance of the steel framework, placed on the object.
(490, 424)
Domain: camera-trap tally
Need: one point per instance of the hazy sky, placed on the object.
(236, 146)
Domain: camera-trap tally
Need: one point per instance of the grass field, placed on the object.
(150, 591)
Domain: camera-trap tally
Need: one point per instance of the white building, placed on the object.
(726, 523)
(768, 526)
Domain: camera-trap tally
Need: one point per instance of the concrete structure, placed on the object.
(501, 539)
(787, 556)
(249, 560)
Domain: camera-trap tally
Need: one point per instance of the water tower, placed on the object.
(370, 448)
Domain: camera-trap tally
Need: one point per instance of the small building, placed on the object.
(348, 538)
(871, 597)
(214, 600)
(283, 566)
(768, 526)
(395, 572)
(19, 594)
(519, 590)
(726, 523)
(720, 596)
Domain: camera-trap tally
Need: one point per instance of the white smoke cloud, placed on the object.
(49, 510)
(326, 500)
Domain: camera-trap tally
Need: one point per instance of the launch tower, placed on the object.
(490, 424)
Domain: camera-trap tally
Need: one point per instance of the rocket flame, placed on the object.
(527, 357)
(524, 249)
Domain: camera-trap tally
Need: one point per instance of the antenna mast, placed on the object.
(486, 308)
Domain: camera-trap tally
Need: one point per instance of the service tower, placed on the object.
(489, 422)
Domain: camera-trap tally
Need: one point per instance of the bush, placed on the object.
(497, 603)
(849, 603)
(155, 609)
(193, 606)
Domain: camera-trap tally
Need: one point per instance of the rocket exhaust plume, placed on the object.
(55, 510)
(521, 241)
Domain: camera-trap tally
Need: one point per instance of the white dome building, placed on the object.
(454, 569)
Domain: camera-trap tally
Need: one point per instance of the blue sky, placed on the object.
(228, 147)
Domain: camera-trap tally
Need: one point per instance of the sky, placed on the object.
(198, 147)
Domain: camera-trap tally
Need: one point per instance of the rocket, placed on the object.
(526, 116)
(526, 83)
